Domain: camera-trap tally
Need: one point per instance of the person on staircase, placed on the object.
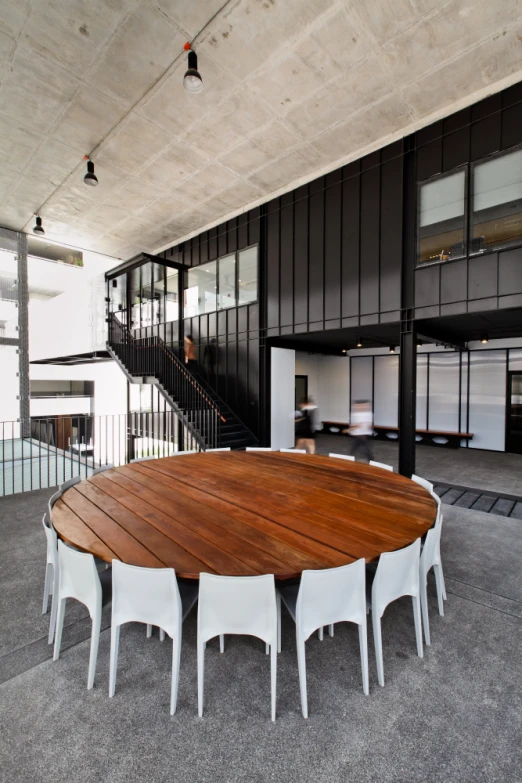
(190, 353)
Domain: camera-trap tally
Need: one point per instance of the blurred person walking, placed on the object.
(304, 426)
(361, 429)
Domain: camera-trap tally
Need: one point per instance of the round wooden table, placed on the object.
(243, 513)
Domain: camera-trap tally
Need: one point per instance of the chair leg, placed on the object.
(59, 628)
(301, 665)
(115, 643)
(54, 608)
(424, 607)
(221, 643)
(331, 629)
(273, 677)
(363, 645)
(201, 676)
(47, 586)
(176, 657)
(278, 622)
(95, 640)
(377, 639)
(443, 584)
(149, 630)
(162, 635)
(320, 633)
(418, 625)
(441, 590)
(267, 648)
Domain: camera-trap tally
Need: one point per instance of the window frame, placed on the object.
(216, 261)
(465, 233)
(472, 166)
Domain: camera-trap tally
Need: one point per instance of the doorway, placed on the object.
(301, 389)
(514, 413)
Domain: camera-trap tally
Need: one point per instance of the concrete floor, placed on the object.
(485, 470)
(452, 717)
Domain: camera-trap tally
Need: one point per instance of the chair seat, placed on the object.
(289, 598)
(189, 596)
(106, 585)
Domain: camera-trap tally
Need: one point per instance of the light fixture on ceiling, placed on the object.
(359, 342)
(192, 80)
(392, 349)
(484, 339)
(345, 350)
(419, 343)
(38, 228)
(90, 178)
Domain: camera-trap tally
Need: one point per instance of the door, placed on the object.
(301, 389)
(514, 413)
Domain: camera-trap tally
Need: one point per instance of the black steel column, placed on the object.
(408, 337)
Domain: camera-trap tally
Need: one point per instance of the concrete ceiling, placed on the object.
(292, 88)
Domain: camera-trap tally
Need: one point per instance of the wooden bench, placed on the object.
(428, 437)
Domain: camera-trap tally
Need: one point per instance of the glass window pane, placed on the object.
(200, 293)
(247, 274)
(441, 218)
(497, 201)
(171, 296)
(227, 282)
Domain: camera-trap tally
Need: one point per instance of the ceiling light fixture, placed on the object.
(192, 80)
(359, 342)
(90, 178)
(38, 228)
(392, 349)
(345, 350)
(484, 339)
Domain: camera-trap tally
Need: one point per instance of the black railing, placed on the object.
(151, 357)
(45, 452)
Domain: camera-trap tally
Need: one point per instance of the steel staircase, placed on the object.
(205, 415)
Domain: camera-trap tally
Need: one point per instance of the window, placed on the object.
(200, 294)
(171, 295)
(441, 226)
(227, 282)
(497, 202)
(247, 276)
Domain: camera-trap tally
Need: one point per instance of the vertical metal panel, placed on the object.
(332, 246)
(421, 419)
(272, 265)
(483, 276)
(487, 399)
(444, 392)
(203, 247)
(511, 126)
(455, 149)
(429, 156)
(510, 272)
(301, 236)
(212, 244)
(515, 360)
(454, 281)
(464, 371)
(232, 235)
(485, 136)
(254, 223)
(361, 378)
(350, 240)
(286, 291)
(369, 251)
(391, 235)
(386, 391)
(316, 244)
(242, 231)
(222, 240)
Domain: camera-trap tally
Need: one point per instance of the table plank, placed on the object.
(74, 531)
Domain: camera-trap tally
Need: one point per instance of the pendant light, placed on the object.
(90, 178)
(38, 228)
(192, 80)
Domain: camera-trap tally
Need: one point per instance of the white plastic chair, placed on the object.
(151, 596)
(380, 465)
(51, 576)
(423, 482)
(430, 558)
(342, 456)
(52, 501)
(325, 597)
(294, 451)
(143, 459)
(397, 574)
(237, 605)
(224, 449)
(102, 468)
(79, 579)
(69, 483)
(258, 448)
(182, 453)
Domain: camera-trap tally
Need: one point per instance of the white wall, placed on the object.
(333, 398)
(110, 386)
(487, 400)
(60, 406)
(282, 398)
(9, 387)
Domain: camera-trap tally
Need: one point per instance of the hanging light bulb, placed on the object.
(484, 339)
(359, 342)
(90, 178)
(392, 349)
(192, 80)
(38, 228)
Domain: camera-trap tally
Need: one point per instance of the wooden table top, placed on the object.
(243, 513)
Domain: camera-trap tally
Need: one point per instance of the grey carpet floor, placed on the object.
(453, 716)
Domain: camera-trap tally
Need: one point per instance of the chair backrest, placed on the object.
(438, 519)
(102, 468)
(430, 551)
(381, 465)
(294, 451)
(423, 482)
(52, 542)
(397, 574)
(52, 501)
(181, 453)
(224, 449)
(146, 595)
(258, 448)
(78, 577)
(70, 483)
(143, 459)
(342, 456)
(237, 605)
(330, 596)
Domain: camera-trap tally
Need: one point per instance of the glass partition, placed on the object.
(227, 282)
(200, 293)
(441, 221)
(497, 202)
(247, 276)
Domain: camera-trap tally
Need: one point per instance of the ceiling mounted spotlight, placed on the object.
(359, 342)
(484, 339)
(392, 349)
(90, 178)
(345, 350)
(192, 80)
(38, 228)
(419, 343)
